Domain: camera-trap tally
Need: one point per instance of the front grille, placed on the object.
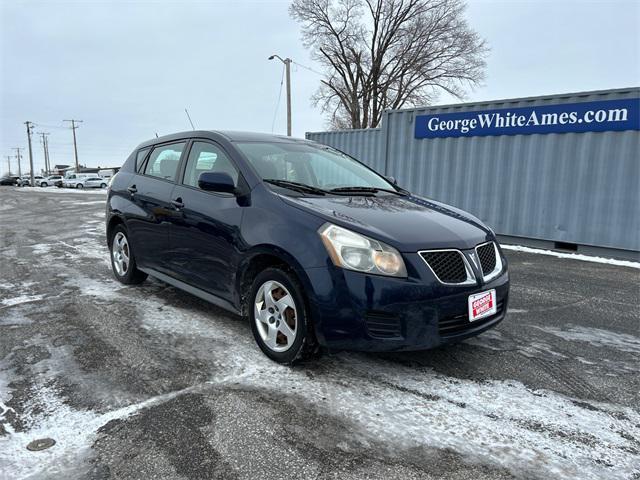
(383, 324)
(487, 256)
(451, 326)
(447, 265)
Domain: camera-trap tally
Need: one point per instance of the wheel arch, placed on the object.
(265, 256)
(114, 221)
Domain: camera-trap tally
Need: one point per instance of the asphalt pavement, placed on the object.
(150, 382)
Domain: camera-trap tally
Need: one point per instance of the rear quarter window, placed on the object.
(140, 156)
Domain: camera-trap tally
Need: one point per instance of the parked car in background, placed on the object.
(314, 247)
(70, 181)
(48, 181)
(9, 180)
(92, 182)
(25, 180)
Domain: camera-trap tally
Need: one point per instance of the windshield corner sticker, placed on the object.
(600, 116)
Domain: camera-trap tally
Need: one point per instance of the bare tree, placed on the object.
(388, 54)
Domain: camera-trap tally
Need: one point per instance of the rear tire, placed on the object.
(279, 317)
(43, 184)
(103, 185)
(123, 261)
(79, 185)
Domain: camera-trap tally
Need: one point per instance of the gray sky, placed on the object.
(128, 69)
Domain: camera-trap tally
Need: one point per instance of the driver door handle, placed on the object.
(132, 189)
(177, 203)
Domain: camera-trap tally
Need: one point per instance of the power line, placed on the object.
(50, 126)
(307, 68)
(275, 114)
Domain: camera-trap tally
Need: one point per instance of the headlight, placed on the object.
(351, 250)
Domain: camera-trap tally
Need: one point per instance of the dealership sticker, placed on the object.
(482, 305)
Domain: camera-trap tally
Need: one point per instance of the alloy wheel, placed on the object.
(276, 316)
(120, 253)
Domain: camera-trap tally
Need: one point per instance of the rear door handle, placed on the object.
(132, 189)
(177, 203)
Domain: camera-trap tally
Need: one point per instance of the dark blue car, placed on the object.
(318, 250)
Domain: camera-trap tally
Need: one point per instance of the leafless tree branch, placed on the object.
(382, 54)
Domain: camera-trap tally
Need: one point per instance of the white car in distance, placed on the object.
(71, 181)
(50, 181)
(92, 182)
(25, 180)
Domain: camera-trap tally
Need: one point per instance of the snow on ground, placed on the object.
(572, 256)
(8, 302)
(531, 432)
(597, 337)
(74, 431)
(504, 421)
(101, 191)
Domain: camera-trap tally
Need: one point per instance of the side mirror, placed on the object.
(216, 182)
(391, 179)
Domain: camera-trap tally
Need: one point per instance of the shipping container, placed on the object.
(570, 178)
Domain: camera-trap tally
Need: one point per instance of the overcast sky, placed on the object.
(129, 68)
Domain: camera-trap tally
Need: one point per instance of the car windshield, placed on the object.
(310, 165)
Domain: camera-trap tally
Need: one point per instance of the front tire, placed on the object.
(79, 185)
(279, 317)
(123, 262)
(43, 184)
(103, 185)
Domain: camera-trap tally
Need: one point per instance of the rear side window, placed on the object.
(140, 156)
(163, 161)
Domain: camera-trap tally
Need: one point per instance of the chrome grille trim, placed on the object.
(470, 280)
(498, 267)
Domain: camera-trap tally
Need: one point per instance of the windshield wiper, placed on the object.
(297, 186)
(366, 190)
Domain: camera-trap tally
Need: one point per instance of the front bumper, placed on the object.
(358, 311)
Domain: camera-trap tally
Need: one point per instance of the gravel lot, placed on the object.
(149, 382)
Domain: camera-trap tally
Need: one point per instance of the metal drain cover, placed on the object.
(41, 444)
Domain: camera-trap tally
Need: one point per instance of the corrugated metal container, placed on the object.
(360, 144)
(580, 188)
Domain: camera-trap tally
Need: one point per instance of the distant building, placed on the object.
(59, 169)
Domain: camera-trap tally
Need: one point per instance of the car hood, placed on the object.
(408, 223)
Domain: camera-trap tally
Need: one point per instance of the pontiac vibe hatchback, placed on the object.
(319, 251)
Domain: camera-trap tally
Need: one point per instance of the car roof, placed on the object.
(232, 136)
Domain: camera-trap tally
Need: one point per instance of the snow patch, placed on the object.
(533, 433)
(572, 256)
(41, 248)
(104, 289)
(98, 191)
(9, 302)
(75, 202)
(48, 416)
(597, 337)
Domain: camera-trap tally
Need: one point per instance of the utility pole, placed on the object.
(75, 146)
(17, 149)
(45, 147)
(29, 128)
(9, 164)
(287, 65)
